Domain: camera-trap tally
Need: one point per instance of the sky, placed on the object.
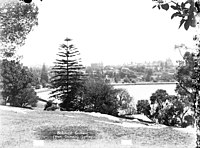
(109, 31)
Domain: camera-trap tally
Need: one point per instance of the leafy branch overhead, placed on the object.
(17, 21)
(187, 11)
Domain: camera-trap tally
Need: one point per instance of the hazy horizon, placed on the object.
(113, 32)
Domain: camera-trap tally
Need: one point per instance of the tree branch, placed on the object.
(185, 89)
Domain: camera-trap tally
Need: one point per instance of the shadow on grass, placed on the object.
(67, 133)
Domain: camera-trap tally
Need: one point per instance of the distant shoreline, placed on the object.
(120, 84)
(144, 83)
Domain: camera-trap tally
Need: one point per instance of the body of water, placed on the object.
(140, 92)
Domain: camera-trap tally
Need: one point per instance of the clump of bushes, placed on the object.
(99, 96)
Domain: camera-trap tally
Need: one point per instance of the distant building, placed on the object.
(97, 65)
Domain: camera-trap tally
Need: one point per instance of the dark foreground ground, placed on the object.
(23, 128)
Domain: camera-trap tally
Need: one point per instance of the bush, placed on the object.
(143, 107)
(48, 104)
(188, 120)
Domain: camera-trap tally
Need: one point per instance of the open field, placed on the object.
(35, 128)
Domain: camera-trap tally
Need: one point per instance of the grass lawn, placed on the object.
(39, 128)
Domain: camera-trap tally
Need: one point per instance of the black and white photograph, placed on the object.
(99, 74)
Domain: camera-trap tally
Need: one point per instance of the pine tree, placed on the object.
(68, 75)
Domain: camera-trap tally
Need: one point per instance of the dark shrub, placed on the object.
(143, 107)
(48, 104)
(99, 96)
(17, 80)
(188, 120)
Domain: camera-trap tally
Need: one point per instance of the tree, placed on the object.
(188, 87)
(17, 81)
(177, 109)
(68, 75)
(17, 21)
(101, 97)
(157, 99)
(190, 18)
(185, 76)
(125, 102)
(44, 79)
(166, 77)
(168, 109)
(36, 82)
(187, 14)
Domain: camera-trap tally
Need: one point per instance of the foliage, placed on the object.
(168, 109)
(188, 120)
(27, 96)
(44, 79)
(17, 81)
(50, 106)
(17, 21)
(187, 11)
(188, 82)
(35, 83)
(165, 77)
(67, 75)
(99, 96)
(125, 102)
(186, 75)
(159, 97)
(143, 107)
(173, 113)
(149, 73)
(126, 80)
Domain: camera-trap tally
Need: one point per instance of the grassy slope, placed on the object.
(20, 130)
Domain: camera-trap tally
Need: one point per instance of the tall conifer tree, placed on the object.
(67, 75)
